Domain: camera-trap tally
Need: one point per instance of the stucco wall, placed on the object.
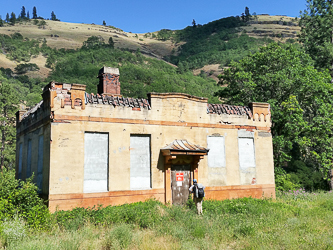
(170, 118)
(33, 135)
(64, 121)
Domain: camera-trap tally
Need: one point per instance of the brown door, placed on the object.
(180, 183)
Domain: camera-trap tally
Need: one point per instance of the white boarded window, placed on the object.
(216, 154)
(20, 162)
(28, 173)
(246, 153)
(40, 163)
(140, 162)
(96, 156)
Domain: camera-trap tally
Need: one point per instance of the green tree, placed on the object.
(104, 23)
(12, 19)
(111, 42)
(93, 41)
(247, 14)
(8, 106)
(53, 16)
(42, 24)
(300, 98)
(317, 32)
(23, 14)
(7, 18)
(194, 24)
(1, 22)
(28, 15)
(34, 13)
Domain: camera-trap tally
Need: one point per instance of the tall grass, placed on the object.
(295, 220)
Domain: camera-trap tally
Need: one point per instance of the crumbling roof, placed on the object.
(32, 110)
(228, 109)
(117, 101)
(184, 145)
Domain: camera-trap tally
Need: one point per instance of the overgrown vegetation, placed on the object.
(301, 105)
(295, 220)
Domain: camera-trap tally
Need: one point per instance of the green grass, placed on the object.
(295, 220)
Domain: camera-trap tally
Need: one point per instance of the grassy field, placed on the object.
(295, 220)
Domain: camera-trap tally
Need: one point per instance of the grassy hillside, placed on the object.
(55, 51)
(72, 35)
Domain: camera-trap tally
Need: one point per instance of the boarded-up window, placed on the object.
(216, 154)
(40, 163)
(19, 175)
(246, 153)
(140, 162)
(28, 173)
(96, 157)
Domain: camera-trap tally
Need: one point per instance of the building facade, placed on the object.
(86, 149)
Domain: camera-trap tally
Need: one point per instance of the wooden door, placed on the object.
(180, 183)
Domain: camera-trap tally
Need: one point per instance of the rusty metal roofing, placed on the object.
(184, 145)
(228, 109)
(117, 101)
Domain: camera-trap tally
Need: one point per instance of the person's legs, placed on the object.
(200, 206)
(197, 204)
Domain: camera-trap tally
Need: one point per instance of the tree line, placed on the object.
(24, 15)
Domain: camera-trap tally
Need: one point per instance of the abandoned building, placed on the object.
(86, 149)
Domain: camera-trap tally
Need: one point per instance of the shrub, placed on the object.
(283, 181)
(20, 198)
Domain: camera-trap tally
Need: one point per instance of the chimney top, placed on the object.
(109, 70)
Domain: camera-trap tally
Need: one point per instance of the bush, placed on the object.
(20, 198)
(283, 181)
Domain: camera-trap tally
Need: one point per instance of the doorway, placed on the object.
(180, 183)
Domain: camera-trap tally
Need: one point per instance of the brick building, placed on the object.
(87, 149)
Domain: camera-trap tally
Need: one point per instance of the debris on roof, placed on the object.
(117, 101)
(228, 109)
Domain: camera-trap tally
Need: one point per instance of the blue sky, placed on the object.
(150, 15)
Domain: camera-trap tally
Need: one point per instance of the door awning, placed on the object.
(183, 147)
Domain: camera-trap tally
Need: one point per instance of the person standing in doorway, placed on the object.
(198, 193)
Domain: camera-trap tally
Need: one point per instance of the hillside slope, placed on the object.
(72, 35)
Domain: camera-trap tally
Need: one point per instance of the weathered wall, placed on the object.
(171, 117)
(33, 135)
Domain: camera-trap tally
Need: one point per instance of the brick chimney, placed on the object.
(108, 81)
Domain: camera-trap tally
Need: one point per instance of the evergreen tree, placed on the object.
(53, 16)
(34, 13)
(194, 24)
(23, 14)
(317, 32)
(247, 14)
(104, 23)
(243, 17)
(111, 42)
(7, 18)
(1, 22)
(12, 18)
(28, 16)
